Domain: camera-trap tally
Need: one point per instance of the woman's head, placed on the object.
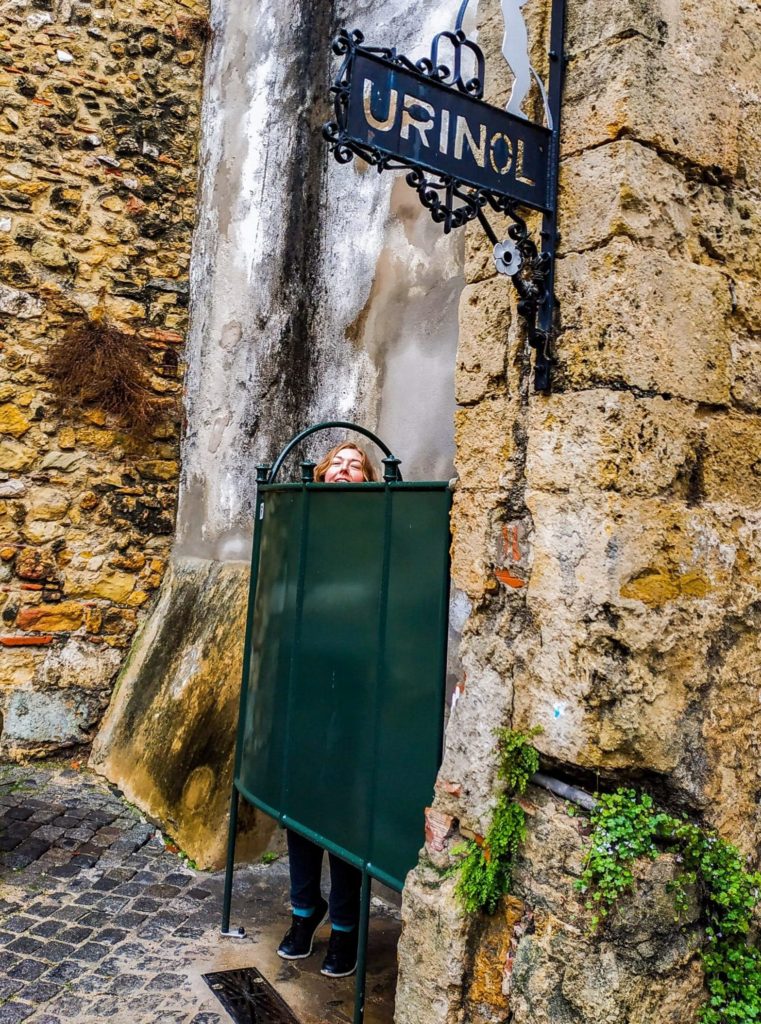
(346, 463)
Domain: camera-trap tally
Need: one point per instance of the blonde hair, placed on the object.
(368, 469)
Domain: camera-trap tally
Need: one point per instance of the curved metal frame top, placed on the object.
(461, 15)
(331, 425)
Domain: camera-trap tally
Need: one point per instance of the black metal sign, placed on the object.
(464, 156)
(451, 133)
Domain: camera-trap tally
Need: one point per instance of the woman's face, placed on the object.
(345, 467)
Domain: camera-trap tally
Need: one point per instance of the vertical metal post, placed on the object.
(380, 665)
(262, 475)
(391, 474)
(230, 867)
(546, 317)
(445, 600)
(364, 924)
(296, 643)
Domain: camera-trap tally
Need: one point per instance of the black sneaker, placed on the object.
(298, 940)
(341, 958)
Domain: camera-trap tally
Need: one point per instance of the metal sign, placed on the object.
(342, 700)
(464, 156)
(434, 128)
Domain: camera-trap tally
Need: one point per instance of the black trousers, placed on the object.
(305, 859)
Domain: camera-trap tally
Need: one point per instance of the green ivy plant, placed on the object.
(486, 867)
(627, 825)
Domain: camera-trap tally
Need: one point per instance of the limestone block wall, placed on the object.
(608, 535)
(99, 114)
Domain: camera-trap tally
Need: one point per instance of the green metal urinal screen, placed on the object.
(343, 705)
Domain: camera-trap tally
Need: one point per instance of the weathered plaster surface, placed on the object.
(317, 292)
(168, 733)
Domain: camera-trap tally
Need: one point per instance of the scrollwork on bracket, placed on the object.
(453, 202)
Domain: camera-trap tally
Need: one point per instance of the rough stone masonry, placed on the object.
(609, 536)
(99, 114)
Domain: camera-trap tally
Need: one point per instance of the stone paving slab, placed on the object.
(101, 922)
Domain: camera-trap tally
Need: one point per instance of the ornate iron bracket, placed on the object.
(463, 157)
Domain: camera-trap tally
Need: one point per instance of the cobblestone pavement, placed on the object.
(100, 921)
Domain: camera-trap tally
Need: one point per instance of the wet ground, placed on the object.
(101, 921)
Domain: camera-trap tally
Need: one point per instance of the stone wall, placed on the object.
(608, 536)
(99, 116)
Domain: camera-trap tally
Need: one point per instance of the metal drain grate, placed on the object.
(249, 998)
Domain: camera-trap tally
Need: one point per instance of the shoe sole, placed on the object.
(344, 974)
(303, 956)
